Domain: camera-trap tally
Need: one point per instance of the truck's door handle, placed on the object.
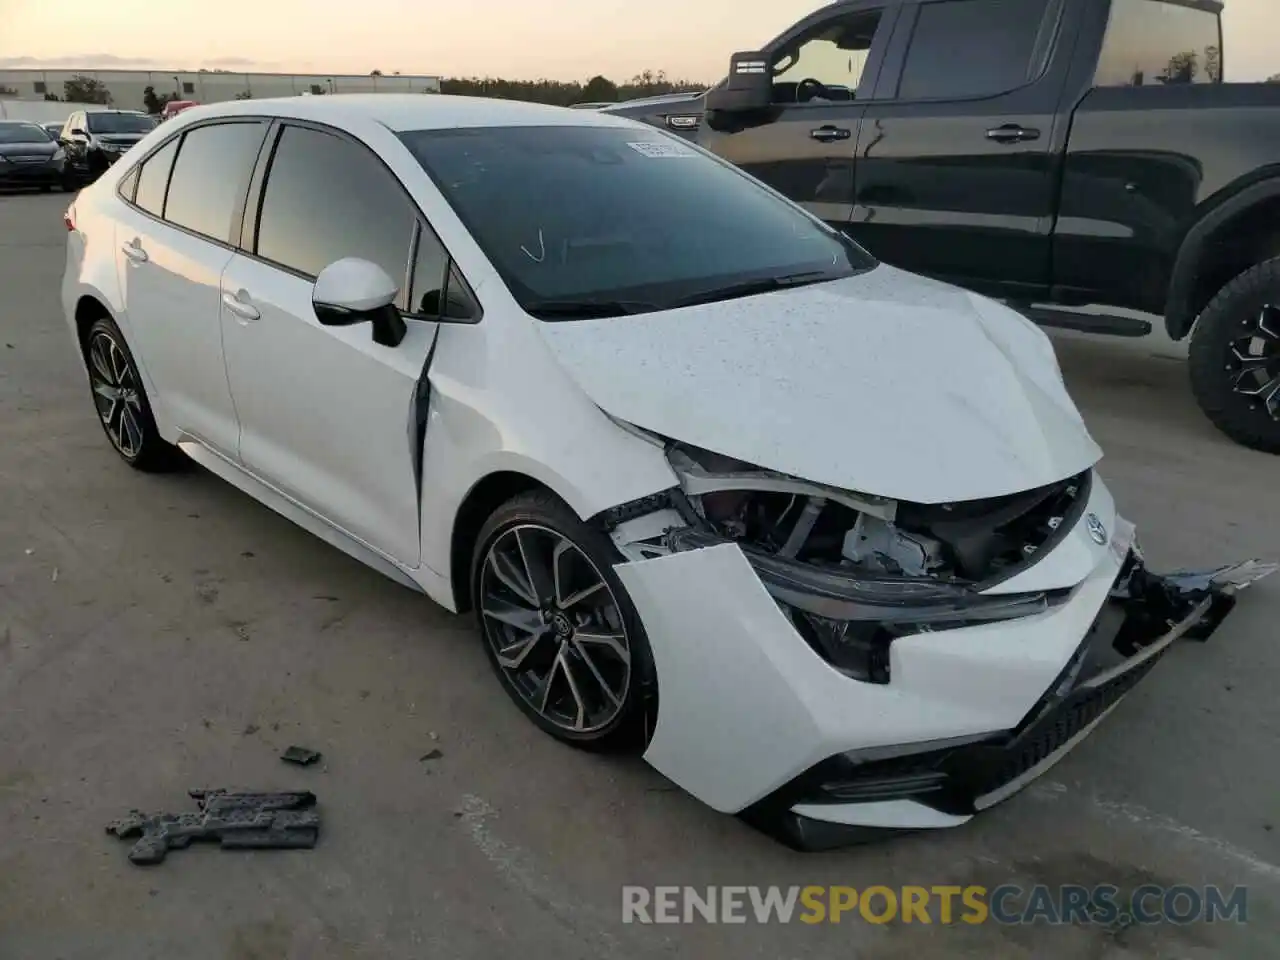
(241, 309)
(134, 252)
(828, 133)
(1012, 133)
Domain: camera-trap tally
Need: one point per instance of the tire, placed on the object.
(1235, 358)
(540, 526)
(125, 416)
(46, 188)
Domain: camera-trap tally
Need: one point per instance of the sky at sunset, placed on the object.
(518, 39)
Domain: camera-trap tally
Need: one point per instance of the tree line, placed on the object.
(598, 89)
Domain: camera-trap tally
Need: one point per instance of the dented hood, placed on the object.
(884, 383)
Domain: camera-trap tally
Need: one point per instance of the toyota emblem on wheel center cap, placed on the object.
(1096, 530)
(563, 628)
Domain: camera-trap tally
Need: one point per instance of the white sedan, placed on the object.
(822, 539)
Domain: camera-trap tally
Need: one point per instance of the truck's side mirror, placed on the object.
(748, 87)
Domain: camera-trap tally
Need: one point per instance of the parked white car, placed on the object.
(820, 538)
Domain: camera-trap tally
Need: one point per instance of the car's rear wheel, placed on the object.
(558, 627)
(1235, 358)
(121, 401)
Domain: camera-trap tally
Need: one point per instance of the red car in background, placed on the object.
(175, 107)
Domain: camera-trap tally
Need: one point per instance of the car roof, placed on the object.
(410, 111)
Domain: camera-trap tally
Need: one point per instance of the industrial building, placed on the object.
(127, 88)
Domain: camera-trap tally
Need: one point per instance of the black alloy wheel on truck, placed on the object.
(1235, 358)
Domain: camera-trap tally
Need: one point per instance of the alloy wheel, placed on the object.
(117, 394)
(555, 628)
(1255, 361)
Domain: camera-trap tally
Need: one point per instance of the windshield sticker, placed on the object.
(658, 151)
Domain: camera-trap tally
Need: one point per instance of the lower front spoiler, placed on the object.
(851, 798)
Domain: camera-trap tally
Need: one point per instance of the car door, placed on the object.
(327, 416)
(959, 149)
(172, 242)
(803, 146)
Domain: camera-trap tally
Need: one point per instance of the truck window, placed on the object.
(831, 58)
(974, 48)
(1151, 42)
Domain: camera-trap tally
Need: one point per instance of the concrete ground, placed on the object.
(161, 634)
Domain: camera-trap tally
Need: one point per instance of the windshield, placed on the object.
(22, 133)
(119, 123)
(598, 221)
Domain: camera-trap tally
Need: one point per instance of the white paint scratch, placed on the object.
(516, 867)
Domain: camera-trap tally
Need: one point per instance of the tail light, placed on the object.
(69, 218)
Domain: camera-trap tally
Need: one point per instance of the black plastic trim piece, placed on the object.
(634, 509)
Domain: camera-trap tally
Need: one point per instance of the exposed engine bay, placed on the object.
(854, 572)
(972, 542)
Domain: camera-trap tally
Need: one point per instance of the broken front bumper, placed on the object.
(752, 721)
(1142, 618)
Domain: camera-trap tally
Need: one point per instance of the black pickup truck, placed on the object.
(1054, 154)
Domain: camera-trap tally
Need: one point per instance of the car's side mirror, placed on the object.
(351, 291)
(748, 87)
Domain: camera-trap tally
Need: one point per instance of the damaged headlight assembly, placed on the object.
(853, 572)
(851, 618)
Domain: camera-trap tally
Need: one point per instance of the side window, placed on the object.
(973, 48)
(436, 294)
(154, 177)
(459, 301)
(210, 176)
(128, 185)
(1151, 43)
(428, 274)
(327, 198)
(827, 63)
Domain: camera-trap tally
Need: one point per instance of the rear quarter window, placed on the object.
(1157, 43)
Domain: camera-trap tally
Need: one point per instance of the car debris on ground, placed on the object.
(238, 821)
(302, 756)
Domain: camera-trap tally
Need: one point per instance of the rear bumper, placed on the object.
(855, 798)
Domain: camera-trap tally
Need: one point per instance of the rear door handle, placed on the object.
(1012, 133)
(829, 133)
(135, 252)
(244, 311)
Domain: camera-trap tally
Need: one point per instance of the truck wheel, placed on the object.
(1235, 358)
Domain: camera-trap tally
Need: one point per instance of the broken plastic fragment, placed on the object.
(300, 755)
(245, 821)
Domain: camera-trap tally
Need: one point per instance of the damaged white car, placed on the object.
(822, 539)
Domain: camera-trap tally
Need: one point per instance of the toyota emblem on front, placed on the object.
(1096, 530)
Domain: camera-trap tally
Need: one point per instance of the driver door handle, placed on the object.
(1012, 133)
(133, 250)
(244, 311)
(829, 133)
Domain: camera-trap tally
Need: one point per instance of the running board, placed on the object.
(1085, 322)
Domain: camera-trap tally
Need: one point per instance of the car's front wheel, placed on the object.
(1235, 358)
(121, 401)
(558, 627)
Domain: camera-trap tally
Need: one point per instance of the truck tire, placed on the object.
(1235, 358)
